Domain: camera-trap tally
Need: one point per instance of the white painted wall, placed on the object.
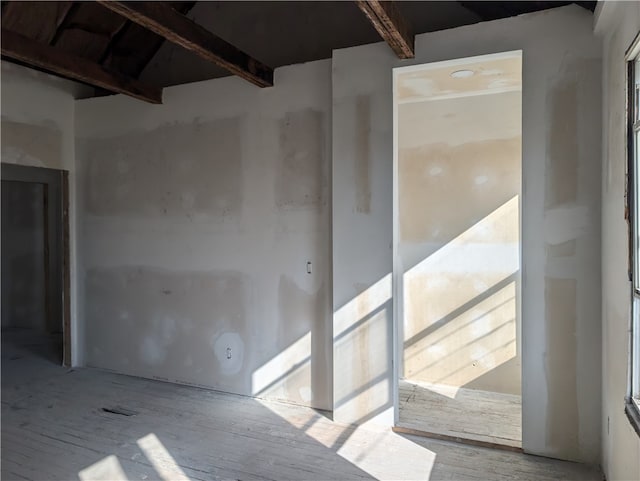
(617, 23)
(38, 130)
(561, 204)
(198, 219)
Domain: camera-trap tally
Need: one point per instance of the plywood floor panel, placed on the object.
(53, 427)
(488, 417)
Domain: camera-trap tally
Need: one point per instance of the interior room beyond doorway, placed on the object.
(458, 187)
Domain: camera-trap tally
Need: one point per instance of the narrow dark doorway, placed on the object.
(35, 310)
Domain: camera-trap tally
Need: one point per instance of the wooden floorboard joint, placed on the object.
(455, 439)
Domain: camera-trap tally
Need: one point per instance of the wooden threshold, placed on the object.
(456, 439)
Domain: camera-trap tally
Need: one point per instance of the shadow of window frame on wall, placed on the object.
(632, 400)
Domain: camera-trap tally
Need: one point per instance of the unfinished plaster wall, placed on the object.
(560, 232)
(37, 118)
(37, 128)
(459, 169)
(200, 217)
(617, 23)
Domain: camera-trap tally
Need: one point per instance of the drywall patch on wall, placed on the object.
(566, 223)
(563, 249)
(169, 325)
(362, 326)
(29, 144)
(302, 179)
(362, 160)
(434, 171)
(616, 125)
(561, 366)
(302, 352)
(562, 154)
(184, 170)
(299, 310)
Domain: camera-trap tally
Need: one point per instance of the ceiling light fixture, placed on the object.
(462, 73)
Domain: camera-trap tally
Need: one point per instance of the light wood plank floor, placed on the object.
(488, 417)
(54, 427)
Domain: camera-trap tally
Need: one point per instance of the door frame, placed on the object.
(57, 268)
(397, 269)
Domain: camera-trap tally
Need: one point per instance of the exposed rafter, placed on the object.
(392, 27)
(40, 55)
(165, 21)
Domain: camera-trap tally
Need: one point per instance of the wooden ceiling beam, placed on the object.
(390, 24)
(52, 59)
(165, 21)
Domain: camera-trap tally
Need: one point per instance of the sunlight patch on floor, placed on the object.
(364, 445)
(164, 464)
(106, 469)
(367, 446)
(448, 391)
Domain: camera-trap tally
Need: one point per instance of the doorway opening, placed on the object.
(457, 190)
(35, 265)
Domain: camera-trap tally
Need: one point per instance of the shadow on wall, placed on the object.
(362, 356)
(461, 320)
(300, 371)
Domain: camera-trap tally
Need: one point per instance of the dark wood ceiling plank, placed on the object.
(37, 20)
(165, 21)
(486, 10)
(390, 24)
(88, 32)
(37, 54)
(64, 19)
(490, 10)
(115, 38)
